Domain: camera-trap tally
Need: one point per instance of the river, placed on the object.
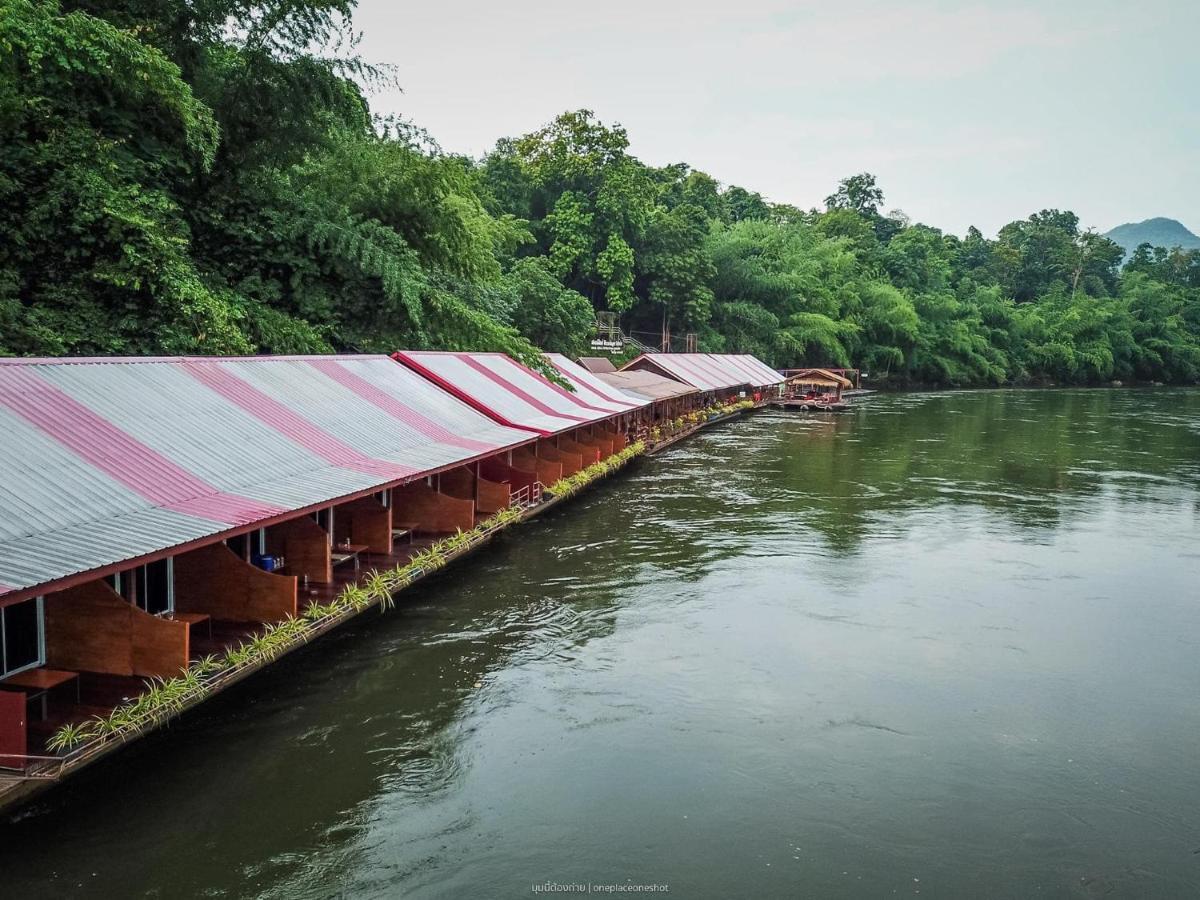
(946, 644)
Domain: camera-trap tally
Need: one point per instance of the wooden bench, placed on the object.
(192, 620)
(404, 530)
(344, 553)
(36, 684)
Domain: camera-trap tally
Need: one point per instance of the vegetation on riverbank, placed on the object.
(207, 178)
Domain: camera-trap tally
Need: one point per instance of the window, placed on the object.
(150, 587)
(248, 545)
(22, 641)
(324, 518)
(156, 586)
(124, 583)
(240, 544)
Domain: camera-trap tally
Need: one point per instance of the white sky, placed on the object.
(968, 113)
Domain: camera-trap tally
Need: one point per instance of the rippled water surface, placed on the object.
(947, 644)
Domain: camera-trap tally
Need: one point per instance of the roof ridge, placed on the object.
(144, 360)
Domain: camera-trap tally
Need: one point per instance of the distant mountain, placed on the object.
(1156, 232)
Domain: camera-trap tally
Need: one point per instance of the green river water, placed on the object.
(946, 644)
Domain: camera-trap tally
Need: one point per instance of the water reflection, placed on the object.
(1031, 457)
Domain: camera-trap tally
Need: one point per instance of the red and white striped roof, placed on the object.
(108, 460)
(509, 392)
(763, 375)
(595, 391)
(709, 371)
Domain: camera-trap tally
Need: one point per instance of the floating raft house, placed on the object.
(168, 515)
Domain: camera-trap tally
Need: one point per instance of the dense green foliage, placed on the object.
(192, 176)
(205, 176)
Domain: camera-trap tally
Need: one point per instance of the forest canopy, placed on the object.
(207, 177)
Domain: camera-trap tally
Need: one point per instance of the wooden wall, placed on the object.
(547, 471)
(489, 496)
(304, 545)
(603, 441)
(458, 482)
(493, 496)
(364, 521)
(216, 581)
(158, 646)
(495, 468)
(91, 628)
(431, 511)
(589, 452)
(502, 473)
(570, 462)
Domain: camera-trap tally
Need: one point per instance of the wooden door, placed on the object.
(13, 745)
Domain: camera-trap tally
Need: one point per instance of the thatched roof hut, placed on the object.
(819, 378)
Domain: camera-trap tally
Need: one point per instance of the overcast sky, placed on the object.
(968, 113)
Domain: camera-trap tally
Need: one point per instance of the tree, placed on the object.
(1047, 249)
(743, 204)
(858, 193)
(677, 267)
(590, 202)
(98, 125)
(551, 316)
(1098, 258)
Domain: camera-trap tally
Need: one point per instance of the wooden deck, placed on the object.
(810, 405)
(344, 576)
(679, 436)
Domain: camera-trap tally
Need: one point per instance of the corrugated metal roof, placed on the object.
(591, 389)
(597, 364)
(758, 369)
(647, 384)
(690, 368)
(102, 461)
(508, 391)
(709, 371)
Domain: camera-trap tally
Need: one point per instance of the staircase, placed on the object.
(609, 335)
(634, 342)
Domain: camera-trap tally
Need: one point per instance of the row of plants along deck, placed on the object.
(690, 421)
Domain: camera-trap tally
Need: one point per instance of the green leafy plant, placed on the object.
(70, 736)
(315, 612)
(207, 665)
